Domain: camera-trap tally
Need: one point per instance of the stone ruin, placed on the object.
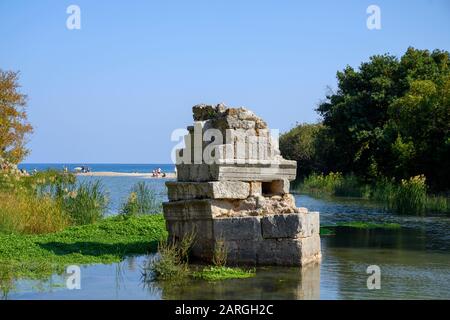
(232, 190)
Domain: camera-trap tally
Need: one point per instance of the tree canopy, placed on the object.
(390, 117)
(14, 126)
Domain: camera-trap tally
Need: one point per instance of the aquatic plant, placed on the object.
(369, 225)
(220, 253)
(85, 204)
(216, 273)
(142, 200)
(409, 196)
(172, 261)
(169, 265)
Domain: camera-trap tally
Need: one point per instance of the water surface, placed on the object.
(414, 262)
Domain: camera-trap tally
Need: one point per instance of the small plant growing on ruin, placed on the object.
(220, 253)
(172, 263)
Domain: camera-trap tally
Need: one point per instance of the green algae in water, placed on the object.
(223, 273)
(358, 225)
(369, 225)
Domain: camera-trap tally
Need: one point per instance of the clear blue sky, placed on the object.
(114, 90)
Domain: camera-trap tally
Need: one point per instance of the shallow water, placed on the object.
(414, 262)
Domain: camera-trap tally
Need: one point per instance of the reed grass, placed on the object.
(142, 200)
(29, 214)
(409, 196)
(48, 202)
(85, 204)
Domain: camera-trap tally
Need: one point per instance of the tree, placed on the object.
(310, 145)
(421, 120)
(14, 126)
(390, 115)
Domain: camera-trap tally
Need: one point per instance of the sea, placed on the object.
(113, 167)
(116, 188)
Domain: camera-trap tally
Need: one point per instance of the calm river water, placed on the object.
(414, 262)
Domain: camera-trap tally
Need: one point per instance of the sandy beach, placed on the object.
(169, 175)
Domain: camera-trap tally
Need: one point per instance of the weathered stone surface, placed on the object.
(201, 228)
(211, 190)
(282, 226)
(196, 209)
(239, 228)
(255, 188)
(299, 251)
(280, 186)
(239, 193)
(236, 172)
(296, 225)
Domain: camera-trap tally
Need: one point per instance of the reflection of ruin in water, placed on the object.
(269, 283)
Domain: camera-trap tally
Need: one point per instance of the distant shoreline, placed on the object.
(169, 175)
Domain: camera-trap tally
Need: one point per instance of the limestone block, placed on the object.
(298, 252)
(311, 251)
(238, 228)
(195, 209)
(255, 188)
(229, 190)
(200, 229)
(211, 190)
(280, 186)
(225, 151)
(281, 226)
(251, 148)
(203, 249)
(280, 252)
(234, 171)
(242, 251)
(295, 225)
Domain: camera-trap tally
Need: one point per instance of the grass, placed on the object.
(215, 273)
(107, 241)
(85, 203)
(47, 202)
(409, 196)
(28, 214)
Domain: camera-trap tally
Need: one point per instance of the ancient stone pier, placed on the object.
(232, 188)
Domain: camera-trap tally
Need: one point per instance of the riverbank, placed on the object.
(107, 241)
(169, 175)
(409, 196)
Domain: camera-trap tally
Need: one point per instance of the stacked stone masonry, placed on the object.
(241, 199)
